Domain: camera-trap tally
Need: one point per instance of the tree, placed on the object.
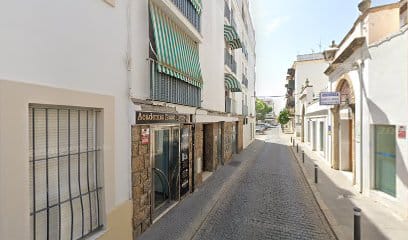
(283, 117)
(261, 109)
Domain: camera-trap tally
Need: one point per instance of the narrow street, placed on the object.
(268, 199)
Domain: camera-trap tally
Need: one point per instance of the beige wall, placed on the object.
(381, 24)
(14, 147)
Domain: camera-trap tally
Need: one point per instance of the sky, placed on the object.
(285, 29)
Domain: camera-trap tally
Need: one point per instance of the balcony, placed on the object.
(245, 80)
(244, 110)
(227, 11)
(291, 84)
(228, 105)
(291, 72)
(165, 88)
(230, 61)
(190, 12)
(234, 24)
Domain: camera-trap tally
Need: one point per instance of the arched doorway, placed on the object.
(344, 129)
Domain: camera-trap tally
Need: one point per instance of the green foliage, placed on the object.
(262, 109)
(283, 117)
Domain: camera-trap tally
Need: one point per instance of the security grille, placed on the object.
(65, 165)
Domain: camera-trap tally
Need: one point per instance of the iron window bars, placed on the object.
(65, 168)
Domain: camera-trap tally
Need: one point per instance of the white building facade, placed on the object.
(312, 119)
(368, 139)
(92, 97)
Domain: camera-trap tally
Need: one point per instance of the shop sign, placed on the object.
(155, 117)
(329, 98)
(402, 132)
(145, 136)
(185, 161)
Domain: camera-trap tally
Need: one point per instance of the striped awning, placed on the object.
(232, 37)
(231, 83)
(177, 54)
(197, 5)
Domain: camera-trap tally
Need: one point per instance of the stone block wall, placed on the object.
(227, 141)
(240, 137)
(210, 141)
(141, 182)
(198, 154)
(190, 164)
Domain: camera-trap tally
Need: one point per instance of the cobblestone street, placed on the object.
(272, 201)
(267, 199)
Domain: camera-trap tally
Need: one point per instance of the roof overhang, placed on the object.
(351, 48)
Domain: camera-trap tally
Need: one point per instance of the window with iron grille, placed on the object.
(65, 172)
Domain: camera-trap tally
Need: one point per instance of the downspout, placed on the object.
(361, 77)
(129, 47)
(129, 82)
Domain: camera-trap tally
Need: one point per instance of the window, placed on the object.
(322, 134)
(65, 168)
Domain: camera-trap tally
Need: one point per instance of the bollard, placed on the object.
(357, 223)
(303, 156)
(291, 139)
(315, 168)
(293, 142)
(297, 148)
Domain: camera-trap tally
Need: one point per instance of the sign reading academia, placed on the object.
(155, 117)
(329, 98)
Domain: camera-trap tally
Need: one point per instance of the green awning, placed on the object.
(197, 5)
(231, 83)
(177, 53)
(232, 37)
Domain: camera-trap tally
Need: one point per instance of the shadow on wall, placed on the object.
(380, 117)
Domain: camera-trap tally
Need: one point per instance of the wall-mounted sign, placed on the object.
(154, 117)
(145, 135)
(330, 98)
(402, 132)
(329, 130)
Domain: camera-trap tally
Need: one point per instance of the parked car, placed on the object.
(260, 128)
(267, 125)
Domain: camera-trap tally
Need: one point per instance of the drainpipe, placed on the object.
(360, 67)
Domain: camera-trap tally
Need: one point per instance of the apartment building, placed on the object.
(113, 111)
(311, 119)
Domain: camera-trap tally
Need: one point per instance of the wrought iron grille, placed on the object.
(166, 88)
(65, 167)
(188, 10)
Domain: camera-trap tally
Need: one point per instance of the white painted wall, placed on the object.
(314, 71)
(212, 55)
(72, 44)
(387, 98)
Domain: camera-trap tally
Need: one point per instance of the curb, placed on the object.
(334, 226)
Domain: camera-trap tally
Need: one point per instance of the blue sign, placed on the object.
(329, 98)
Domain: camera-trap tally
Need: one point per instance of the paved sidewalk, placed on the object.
(337, 197)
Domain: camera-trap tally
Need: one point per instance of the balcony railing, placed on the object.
(188, 10)
(227, 11)
(169, 89)
(244, 80)
(228, 105)
(244, 110)
(233, 23)
(230, 61)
